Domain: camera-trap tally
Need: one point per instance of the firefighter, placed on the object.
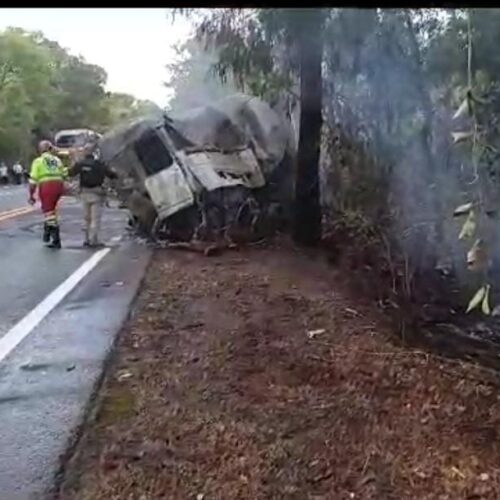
(47, 174)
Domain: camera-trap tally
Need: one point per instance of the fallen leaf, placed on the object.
(314, 333)
(352, 311)
(124, 376)
(458, 472)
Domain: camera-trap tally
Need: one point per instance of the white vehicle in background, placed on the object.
(75, 138)
(69, 143)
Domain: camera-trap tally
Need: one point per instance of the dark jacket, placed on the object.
(92, 172)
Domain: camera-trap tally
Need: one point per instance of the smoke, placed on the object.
(383, 104)
(193, 80)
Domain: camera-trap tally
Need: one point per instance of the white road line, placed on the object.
(22, 329)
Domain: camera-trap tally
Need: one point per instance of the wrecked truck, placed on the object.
(225, 166)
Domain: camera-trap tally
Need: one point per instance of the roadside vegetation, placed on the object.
(43, 89)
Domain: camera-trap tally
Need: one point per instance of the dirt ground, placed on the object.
(257, 374)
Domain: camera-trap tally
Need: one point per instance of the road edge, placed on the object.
(89, 410)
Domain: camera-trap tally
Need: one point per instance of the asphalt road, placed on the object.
(59, 314)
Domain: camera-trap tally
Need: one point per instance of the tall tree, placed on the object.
(309, 24)
(81, 87)
(26, 90)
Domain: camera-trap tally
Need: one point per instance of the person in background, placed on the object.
(47, 175)
(92, 173)
(4, 173)
(18, 170)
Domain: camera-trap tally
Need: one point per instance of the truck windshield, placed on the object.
(152, 153)
(71, 140)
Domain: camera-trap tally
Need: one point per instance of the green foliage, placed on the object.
(122, 108)
(477, 256)
(16, 118)
(44, 89)
(81, 93)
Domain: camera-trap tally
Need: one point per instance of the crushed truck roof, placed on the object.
(229, 124)
(235, 122)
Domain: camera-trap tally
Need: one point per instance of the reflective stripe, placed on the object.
(51, 219)
(45, 178)
(50, 177)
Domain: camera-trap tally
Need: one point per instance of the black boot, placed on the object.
(56, 238)
(46, 233)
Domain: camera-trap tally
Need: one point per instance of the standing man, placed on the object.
(92, 174)
(18, 170)
(4, 173)
(47, 174)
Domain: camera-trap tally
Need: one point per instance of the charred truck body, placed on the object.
(206, 172)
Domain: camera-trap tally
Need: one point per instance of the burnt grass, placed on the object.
(261, 374)
(431, 315)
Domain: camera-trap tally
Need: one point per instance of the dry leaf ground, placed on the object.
(217, 391)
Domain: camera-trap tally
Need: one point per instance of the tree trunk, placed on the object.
(307, 223)
(432, 173)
